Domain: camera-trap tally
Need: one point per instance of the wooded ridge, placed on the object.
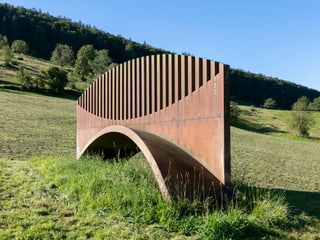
(43, 32)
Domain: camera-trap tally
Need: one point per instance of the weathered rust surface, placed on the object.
(174, 108)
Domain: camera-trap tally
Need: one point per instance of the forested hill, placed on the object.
(254, 89)
(43, 32)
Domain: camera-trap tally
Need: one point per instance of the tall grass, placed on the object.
(127, 190)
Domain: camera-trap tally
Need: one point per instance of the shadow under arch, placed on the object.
(177, 173)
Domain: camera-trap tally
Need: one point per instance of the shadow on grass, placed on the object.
(303, 211)
(307, 202)
(256, 127)
(67, 94)
(298, 201)
(4, 83)
(315, 138)
(12, 66)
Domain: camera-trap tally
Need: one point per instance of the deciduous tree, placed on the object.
(101, 62)
(85, 56)
(20, 46)
(3, 41)
(301, 119)
(315, 105)
(7, 54)
(24, 79)
(270, 103)
(234, 112)
(63, 55)
(301, 104)
(56, 79)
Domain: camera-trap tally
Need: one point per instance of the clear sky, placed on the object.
(278, 38)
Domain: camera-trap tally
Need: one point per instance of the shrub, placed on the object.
(234, 112)
(301, 104)
(315, 105)
(6, 55)
(56, 79)
(20, 46)
(301, 120)
(24, 79)
(270, 103)
(63, 55)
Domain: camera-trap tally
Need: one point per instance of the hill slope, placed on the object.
(36, 125)
(254, 89)
(42, 32)
(19, 23)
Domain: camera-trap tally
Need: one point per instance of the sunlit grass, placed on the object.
(275, 123)
(269, 161)
(60, 197)
(127, 190)
(32, 65)
(34, 125)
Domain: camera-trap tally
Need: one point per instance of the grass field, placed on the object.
(45, 193)
(33, 125)
(35, 204)
(275, 123)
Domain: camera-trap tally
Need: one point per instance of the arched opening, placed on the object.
(177, 173)
(113, 145)
(118, 140)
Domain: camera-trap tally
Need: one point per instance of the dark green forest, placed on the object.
(42, 32)
(253, 89)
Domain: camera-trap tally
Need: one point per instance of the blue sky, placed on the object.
(278, 38)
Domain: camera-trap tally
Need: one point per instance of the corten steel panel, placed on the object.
(174, 108)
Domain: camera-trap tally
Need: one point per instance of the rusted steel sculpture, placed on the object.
(175, 109)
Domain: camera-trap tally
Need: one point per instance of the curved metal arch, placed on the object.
(177, 173)
(177, 109)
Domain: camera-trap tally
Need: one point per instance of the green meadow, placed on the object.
(45, 193)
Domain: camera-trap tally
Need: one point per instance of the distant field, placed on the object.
(36, 125)
(33, 125)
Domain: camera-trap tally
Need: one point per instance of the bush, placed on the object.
(234, 112)
(270, 103)
(20, 46)
(63, 55)
(24, 79)
(6, 55)
(301, 120)
(56, 79)
(315, 105)
(302, 104)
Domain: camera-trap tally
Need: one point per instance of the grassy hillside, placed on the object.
(46, 193)
(34, 66)
(19, 23)
(275, 123)
(36, 125)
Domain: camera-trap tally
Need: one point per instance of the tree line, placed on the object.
(254, 89)
(88, 64)
(43, 32)
(91, 52)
